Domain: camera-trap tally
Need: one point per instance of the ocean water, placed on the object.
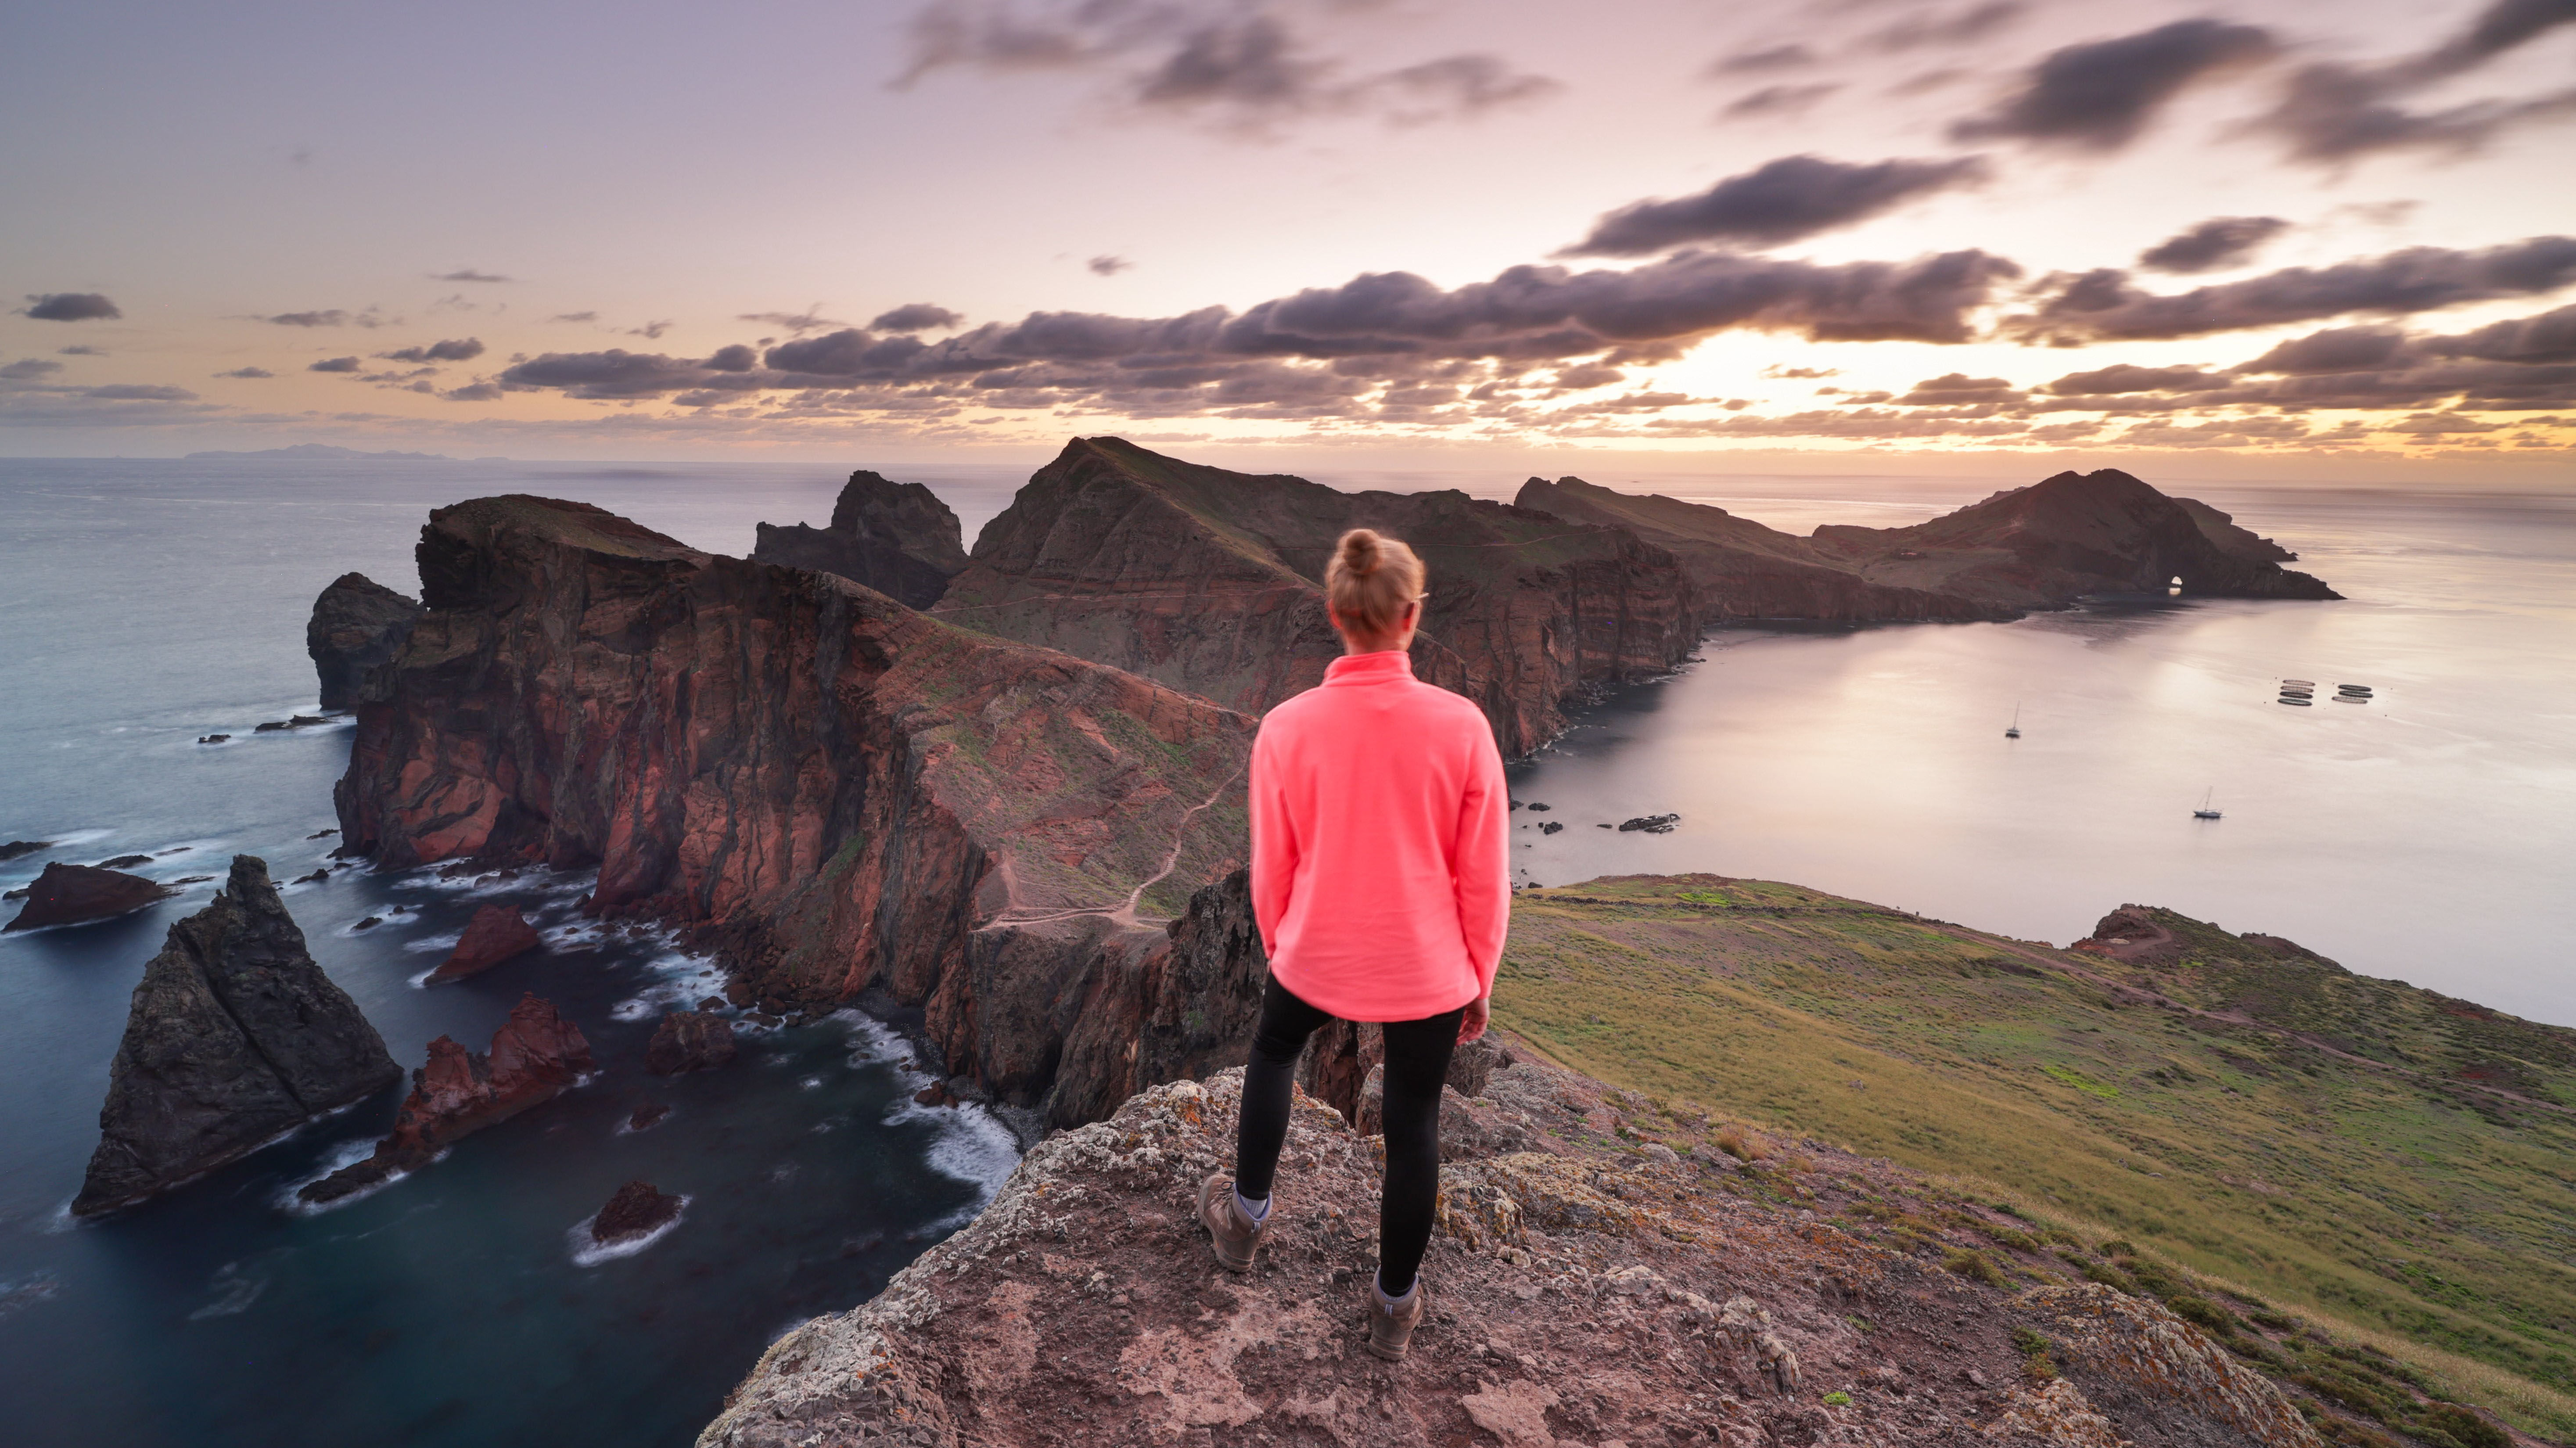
(146, 603)
(2428, 835)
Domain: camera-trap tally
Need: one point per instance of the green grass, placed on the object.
(2368, 1155)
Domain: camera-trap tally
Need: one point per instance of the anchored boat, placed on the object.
(2205, 812)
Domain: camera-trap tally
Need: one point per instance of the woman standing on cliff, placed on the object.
(1381, 882)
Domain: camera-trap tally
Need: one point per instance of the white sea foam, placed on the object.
(20, 1295)
(235, 1290)
(684, 980)
(441, 943)
(589, 1253)
(347, 1153)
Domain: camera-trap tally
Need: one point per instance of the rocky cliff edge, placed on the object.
(1581, 1295)
(834, 793)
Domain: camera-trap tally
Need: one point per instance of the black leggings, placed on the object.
(1417, 1061)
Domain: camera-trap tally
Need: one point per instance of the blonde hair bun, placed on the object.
(1371, 581)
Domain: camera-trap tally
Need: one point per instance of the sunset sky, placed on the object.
(2289, 236)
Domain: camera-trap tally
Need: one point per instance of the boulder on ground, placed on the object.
(496, 933)
(689, 1041)
(70, 894)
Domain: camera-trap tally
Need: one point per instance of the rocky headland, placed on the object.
(2037, 547)
(896, 538)
(836, 794)
(1587, 1288)
(536, 1056)
(1211, 581)
(357, 624)
(234, 1037)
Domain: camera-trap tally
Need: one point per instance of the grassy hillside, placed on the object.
(2380, 1157)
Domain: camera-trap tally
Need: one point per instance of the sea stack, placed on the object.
(357, 624)
(536, 1056)
(689, 1041)
(638, 1210)
(235, 1036)
(495, 934)
(70, 894)
(896, 538)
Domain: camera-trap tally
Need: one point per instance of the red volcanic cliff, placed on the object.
(2037, 547)
(1209, 581)
(836, 792)
(496, 934)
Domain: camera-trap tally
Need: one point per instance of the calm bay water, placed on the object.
(143, 604)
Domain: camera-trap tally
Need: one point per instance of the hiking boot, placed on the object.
(1393, 1319)
(1232, 1235)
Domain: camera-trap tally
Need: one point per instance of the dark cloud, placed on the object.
(1806, 373)
(2338, 349)
(2331, 113)
(2219, 242)
(916, 317)
(467, 274)
(474, 392)
(736, 358)
(794, 324)
(1242, 63)
(574, 317)
(138, 392)
(1108, 266)
(2099, 95)
(336, 364)
(2103, 305)
(1957, 389)
(1379, 346)
(650, 331)
(77, 350)
(327, 317)
(1779, 201)
(1777, 100)
(69, 307)
(1927, 28)
(28, 369)
(1777, 57)
(247, 373)
(461, 349)
(2114, 380)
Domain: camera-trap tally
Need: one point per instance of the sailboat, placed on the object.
(2205, 812)
(2013, 730)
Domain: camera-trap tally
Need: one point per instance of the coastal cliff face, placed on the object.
(2066, 536)
(896, 538)
(1211, 581)
(2037, 547)
(235, 1035)
(834, 792)
(357, 624)
(1584, 1289)
(1743, 569)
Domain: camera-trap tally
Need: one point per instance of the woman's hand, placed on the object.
(1471, 1024)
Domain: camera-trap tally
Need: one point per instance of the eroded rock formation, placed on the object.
(1210, 581)
(495, 934)
(833, 791)
(638, 1210)
(689, 1041)
(1581, 1293)
(896, 538)
(235, 1036)
(70, 894)
(357, 624)
(2036, 547)
(536, 1056)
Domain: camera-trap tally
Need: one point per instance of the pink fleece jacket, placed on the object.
(1381, 867)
